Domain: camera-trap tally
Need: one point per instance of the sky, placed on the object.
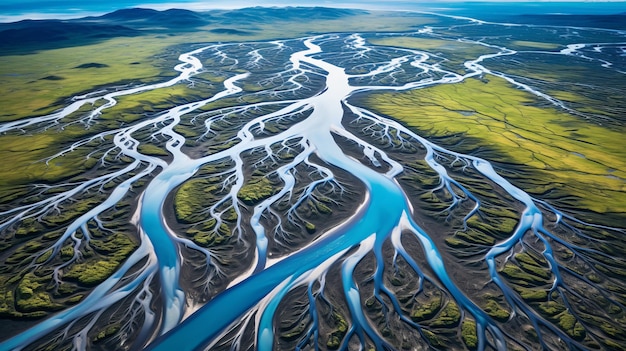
(14, 10)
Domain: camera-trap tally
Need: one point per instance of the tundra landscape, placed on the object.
(313, 178)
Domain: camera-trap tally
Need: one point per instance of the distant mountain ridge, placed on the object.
(140, 17)
(28, 36)
(31, 35)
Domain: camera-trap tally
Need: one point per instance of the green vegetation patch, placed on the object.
(520, 276)
(518, 132)
(23, 155)
(210, 236)
(115, 58)
(493, 309)
(449, 316)
(139, 59)
(468, 334)
(428, 309)
(256, 191)
(114, 249)
(31, 295)
(336, 336)
(534, 294)
(107, 332)
(191, 197)
(152, 150)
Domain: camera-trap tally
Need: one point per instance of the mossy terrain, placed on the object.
(34, 295)
(428, 309)
(545, 141)
(256, 191)
(559, 314)
(437, 45)
(335, 338)
(24, 160)
(468, 333)
(111, 252)
(192, 201)
(39, 96)
(496, 218)
(495, 310)
(27, 287)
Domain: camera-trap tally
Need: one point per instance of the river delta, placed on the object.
(436, 182)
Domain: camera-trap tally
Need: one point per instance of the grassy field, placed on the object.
(568, 156)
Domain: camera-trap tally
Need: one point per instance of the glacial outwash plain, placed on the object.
(309, 178)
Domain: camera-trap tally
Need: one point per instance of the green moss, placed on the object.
(153, 150)
(456, 243)
(31, 295)
(310, 227)
(256, 191)
(476, 237)
(67, 252)
(494, 310)
(341, 327)
(427, 310)
(115, 247)
(118, 246)
(468, 334)
(323, 208)
(612, 329)
(611, 345)
(207, 225)
(535, 269)
(524, 257)
(519, 132)
(333, 342)
(6, 298)
(207, 235)
(571, 326)
(567, 321)
(187, 132)
(43, 258)
(107, 332)
(224, 230)
(551, 308)
(453, 50)
(515, 273)
(295, 332)
(66, 288)
(23, 160)
(28, 226)
(449, 316)
(75, 299)
(192, 197)
(536, 294)
(92, 273)
(230, 215)
(71, 211)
